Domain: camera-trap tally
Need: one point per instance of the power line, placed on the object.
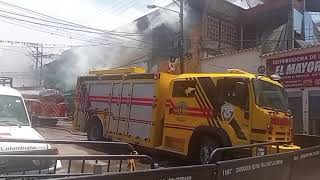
(61, 20)
(125, 8)
(50, 32)
(117, 6)
(48, 25)
(99, 43)
(62, 46)
(113, 33)
(16, 19)
(133, 61)
(55, 22)
(20, 52)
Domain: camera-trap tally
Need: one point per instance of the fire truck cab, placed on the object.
(188, 114)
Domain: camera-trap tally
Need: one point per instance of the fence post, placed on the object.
(97, 168)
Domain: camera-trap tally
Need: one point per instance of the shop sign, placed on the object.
(297, 71)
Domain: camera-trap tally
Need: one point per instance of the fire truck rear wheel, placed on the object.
(207, 146)
(95, 131)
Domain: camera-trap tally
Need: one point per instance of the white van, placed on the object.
(15, 124)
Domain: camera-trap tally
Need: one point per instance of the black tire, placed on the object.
(207, 146)
(95, 131)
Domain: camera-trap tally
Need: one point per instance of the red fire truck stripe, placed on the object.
(178, 126)
(49, 109)
(192, 111)
(142, 121)
(124, 100)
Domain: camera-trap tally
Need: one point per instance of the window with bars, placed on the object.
(213, 28)
(228, 33)
(224, 31)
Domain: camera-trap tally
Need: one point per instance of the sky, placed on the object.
(99, 14)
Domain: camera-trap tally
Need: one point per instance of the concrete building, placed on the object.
(300, 70)
(214, 27)
(290, 50)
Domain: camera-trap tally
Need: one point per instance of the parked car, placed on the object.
(15, 125)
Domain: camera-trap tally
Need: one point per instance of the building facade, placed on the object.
(285, 40)
(300, 71)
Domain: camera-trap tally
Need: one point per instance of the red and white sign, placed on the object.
(297, 71)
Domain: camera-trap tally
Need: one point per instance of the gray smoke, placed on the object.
(15, 64)
(119, 51)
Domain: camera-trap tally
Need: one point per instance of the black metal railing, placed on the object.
(48, 164)
(49, 171)
(213, 155)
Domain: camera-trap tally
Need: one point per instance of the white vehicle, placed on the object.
(15, 124)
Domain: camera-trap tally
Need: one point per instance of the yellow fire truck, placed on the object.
(188, 114)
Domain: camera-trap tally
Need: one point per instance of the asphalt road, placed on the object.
(67, 149)
(61, 133)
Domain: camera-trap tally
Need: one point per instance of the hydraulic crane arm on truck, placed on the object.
(188, 114)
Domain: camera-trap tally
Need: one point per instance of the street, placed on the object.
(61, 133)
(55, 133)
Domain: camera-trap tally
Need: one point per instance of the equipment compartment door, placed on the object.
(115, 108)
(125, 108)
(142, 102)
(98, 96)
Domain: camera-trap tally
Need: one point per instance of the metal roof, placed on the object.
(230, 53)
(290, 50)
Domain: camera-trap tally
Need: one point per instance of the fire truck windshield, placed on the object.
(12, 111)
(270, 95)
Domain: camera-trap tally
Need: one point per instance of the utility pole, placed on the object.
(290, 25)
(181, 37)
(181, 44)
(37, 54)
(41, 63)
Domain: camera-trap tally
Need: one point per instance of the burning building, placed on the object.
(214, 27)
(211, 28)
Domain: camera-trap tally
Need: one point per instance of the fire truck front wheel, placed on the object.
(95, 130)
(207, 146)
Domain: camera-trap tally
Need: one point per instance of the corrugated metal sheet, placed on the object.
(290, 50)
